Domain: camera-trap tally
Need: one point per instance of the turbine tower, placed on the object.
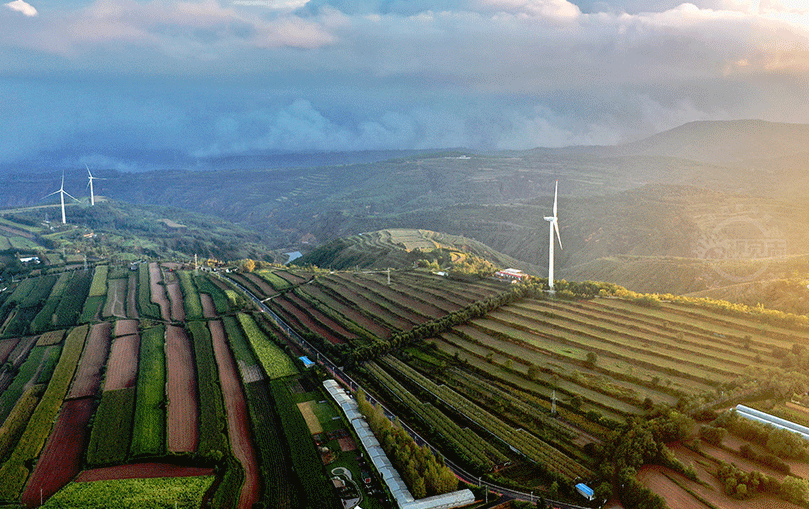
(92, 178)
(62, 194)
(554, 226)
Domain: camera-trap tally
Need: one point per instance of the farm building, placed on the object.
(307, 363)
(776, 422)
(585, 491)
(404, 499)
(511, 275)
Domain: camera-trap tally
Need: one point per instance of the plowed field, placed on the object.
(183, 406)
(88, 375)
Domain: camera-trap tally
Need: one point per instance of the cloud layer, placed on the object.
(109, 78)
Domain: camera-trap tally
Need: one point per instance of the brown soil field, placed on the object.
(406, 301)
(122, 367)
(126, 327)
(181, 386)
(368, 305)
(265, 287)
(320, 317)
(291, 278)
(158, 291)
(141, 471)
(132, 297)
(6, 347)
(238, 419)
(208, 307)
(62, 456)
(116, 298)
(347, 444)
(87, 380)
(347, 311)
(306, 321)
(176, 298)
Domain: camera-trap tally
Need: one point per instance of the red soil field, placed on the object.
(87, 380)
(176, 297)
(404, 301)
(368, 305)
(141, 471)
(208, 307)
(158, 291)
(307, 321)
(6, 347)
(320, 317)
(291, 278)
(248, 284)
(122, 366)
(61, 458)
(265, 287)
(132, 297)
(181, 387)
(126, 327)
(347, 311)
(236, 409)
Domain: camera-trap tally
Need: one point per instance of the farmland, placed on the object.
(121, 390)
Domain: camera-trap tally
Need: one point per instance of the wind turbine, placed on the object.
(62, 194)
(554, 226)
(91, 177)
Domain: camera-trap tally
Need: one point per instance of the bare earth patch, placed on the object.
(122, 366)
(158, 291)
(87, 380)
(126, 327)
(141, 471)
(208, 307)
(181, 387)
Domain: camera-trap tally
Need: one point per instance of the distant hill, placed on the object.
(724, 142)
(401, 248)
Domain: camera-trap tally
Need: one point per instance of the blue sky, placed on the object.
(100, 82)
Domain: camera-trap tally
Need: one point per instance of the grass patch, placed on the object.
(163, 492)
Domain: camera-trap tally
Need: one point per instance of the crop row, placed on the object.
(375, 310)
(212, 438)
(698, 352)
(325, 299)
(469, 446)
(193, 306)
(339, 333)
(278, 283)
(177, 492)
(517, 359)
(14, 424)
(302, 320)
(149, 429)
(14, 471)
(685, 334)
(112, 428)
(220, 300)
(274, 457)
(24, 376)
(412, 306)
(305, 458)
(99, 285)
(549, 458)
(275, 361)
(146, 307)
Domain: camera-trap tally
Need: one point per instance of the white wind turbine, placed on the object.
(554, 226)
(92, 178)
(62, 194)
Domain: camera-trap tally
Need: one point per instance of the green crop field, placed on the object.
(181, 492)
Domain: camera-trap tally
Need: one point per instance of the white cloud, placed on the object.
(22, 7)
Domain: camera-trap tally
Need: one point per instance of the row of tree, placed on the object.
(420, 469)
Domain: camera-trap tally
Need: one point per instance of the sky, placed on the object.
(116, 83)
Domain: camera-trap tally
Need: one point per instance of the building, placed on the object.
(511, 275)
(585, 491)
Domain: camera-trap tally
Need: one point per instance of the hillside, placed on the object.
(403, 248)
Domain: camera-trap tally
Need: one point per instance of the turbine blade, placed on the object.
(556, 227)
(88, 170)
(70, 195)
(51, 194)
(555, 193)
